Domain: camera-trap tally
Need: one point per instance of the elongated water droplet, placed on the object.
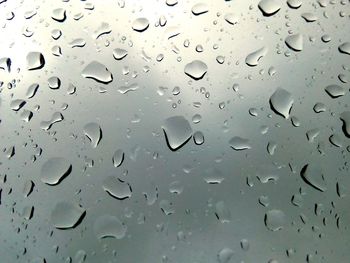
(119, 53)
(199, 9)
(345, 117)
(238, 143)
(335, 91)
(344, 48)
(118, 158)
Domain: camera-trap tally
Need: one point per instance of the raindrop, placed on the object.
(107, 226)
(199, 9)
(56, 117)
(118, 158)
(274, 219)
(117, 188)
(59, 15)
(98, 72)
(313, 176)
(54, 83)
(335, 91)
(253, 58)
(345, 117)
(269, 7)
(295, 42)
(140, 24)
(55, 170)
(119, 53)
(239, 143)
(281, 102)
(35, 60)
(198, 138)
(67, 215)
(344, 48)
(94, 133)
(196, 69)
(224, 255)
(177, 131)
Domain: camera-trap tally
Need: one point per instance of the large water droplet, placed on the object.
(269, 7)
(35, 60)
(238, 143)
(59, 15)
(312, 174)
(118, 158)
(94, 133)
(67, 215)
(253, 58)
(274, 219)
(344, 48)
(295, 42)
(108, 226)
(281, 102)
(224, 255)
(117, 188)
(177, 131)
(119, 53)
(196, 69)
(140, 24)
(335, 91)
(55, 170)
(199, 9)
(97, 71)
(345, 117)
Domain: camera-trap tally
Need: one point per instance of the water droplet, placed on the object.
(344, 48)
(281, 102)
(17, 104)
(54, 83)
(119, 53)
(222, 212)
(108, 226)
(98, 72)
(294, 3)
(274, 219)
(231, 19)
(198, 138)
(309, 17)
(269, 7)
(140, 24)
(239, 143)
(345, 117)
(59, 15)
(295, 42)
(31, 91)
(35, 60)
(313, 176)
(93, 132)
(177, 131)
(199, 9)
(67, 215)
(78, 42)
(55, 170)
(253, 58)
(335, 91)
(55, 118)
(224, 255)
(196, 69)
(118, 158)
(117, 188)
